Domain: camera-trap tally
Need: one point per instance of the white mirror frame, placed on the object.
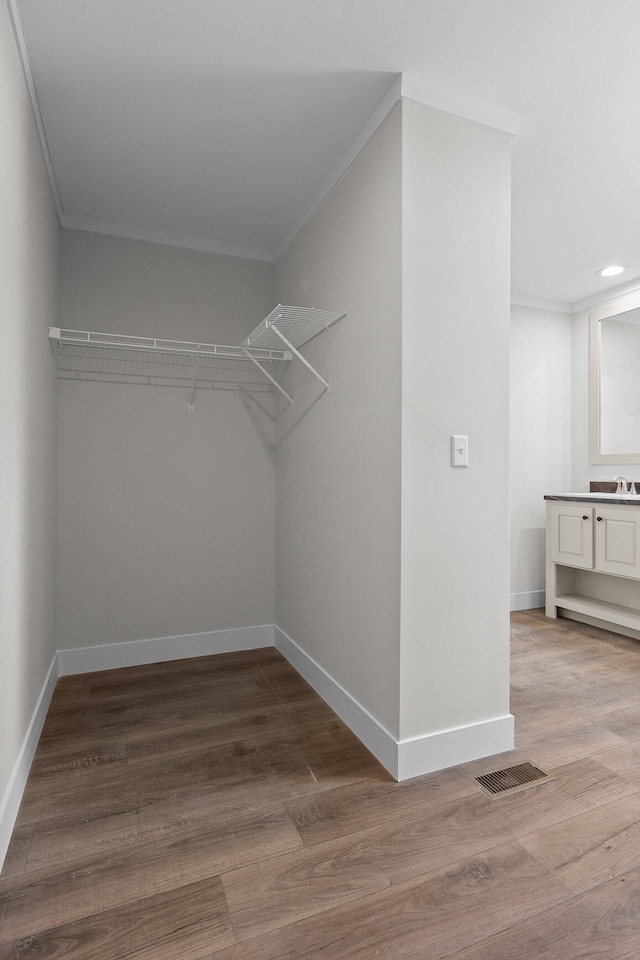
(630, 301)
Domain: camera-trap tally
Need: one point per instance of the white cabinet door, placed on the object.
(617, 535)
(571, 531)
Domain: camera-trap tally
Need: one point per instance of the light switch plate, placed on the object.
(459, 451)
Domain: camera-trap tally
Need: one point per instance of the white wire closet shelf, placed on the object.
(256, 365)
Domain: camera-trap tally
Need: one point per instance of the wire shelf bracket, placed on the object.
(293, 327)
(193, 385)
(268, 375)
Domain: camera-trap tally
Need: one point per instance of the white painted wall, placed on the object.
(28, 275)
(541, 354)
(338, 461)
(455, 380)
(166, 517)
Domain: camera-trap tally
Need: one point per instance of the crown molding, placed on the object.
(23, 57)
(388, 102)
(411, 89)
(551, 306)
(603, 295)
(131, 231)
(559, 306)
(458, 106)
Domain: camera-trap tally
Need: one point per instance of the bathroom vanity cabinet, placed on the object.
(593, 560)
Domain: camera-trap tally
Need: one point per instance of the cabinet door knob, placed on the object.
(598, 519)
(584, 516)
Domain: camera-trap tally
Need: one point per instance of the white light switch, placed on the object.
(459, 451)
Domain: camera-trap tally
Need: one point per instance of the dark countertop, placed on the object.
(598, 497)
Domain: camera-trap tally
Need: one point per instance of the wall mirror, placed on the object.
(614, 381)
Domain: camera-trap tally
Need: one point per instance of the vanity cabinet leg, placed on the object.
(551, 609)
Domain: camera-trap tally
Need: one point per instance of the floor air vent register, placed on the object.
(512, 779)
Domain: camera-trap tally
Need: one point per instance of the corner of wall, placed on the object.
(10, 803)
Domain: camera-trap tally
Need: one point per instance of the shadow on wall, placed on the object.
(261, 409)
(530, 559)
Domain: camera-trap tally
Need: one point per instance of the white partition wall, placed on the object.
(392, 567)
(338, 465)
(454, 693)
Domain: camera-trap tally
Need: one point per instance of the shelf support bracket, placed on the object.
(193, 385)
(300, 357)
(267, 375)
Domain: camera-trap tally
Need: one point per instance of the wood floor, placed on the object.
(216, 809)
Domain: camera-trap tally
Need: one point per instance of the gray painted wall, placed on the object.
(338, 461)
(28, 276)
(166, 517)
(147, 289)
(392, 569)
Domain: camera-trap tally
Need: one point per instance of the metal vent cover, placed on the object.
(511, 779)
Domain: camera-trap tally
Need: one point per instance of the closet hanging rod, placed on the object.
(87, 338)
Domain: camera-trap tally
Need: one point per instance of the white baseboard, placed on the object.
(448, 748)
(13, 795)
(528, 600)
(366, 728)
(403, 759)
(136, 652)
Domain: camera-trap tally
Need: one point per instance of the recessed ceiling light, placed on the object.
(611, 271)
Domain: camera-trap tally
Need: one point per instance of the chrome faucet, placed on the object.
(623, 485)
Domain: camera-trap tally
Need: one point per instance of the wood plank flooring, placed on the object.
(216, 809)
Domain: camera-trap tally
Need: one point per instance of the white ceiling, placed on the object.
(213, 123)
